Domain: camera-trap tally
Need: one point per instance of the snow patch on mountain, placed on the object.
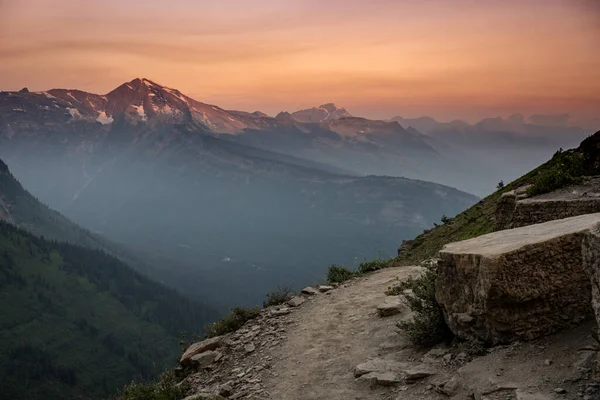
(104, 119)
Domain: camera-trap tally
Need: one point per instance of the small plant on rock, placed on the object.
(337, 274)
(232, 321)
(280, 296)
(428, 326)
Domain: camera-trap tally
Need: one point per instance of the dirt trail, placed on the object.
(331, 335)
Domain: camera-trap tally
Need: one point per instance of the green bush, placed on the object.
(428, 326)
(371, 266)
(280, 296)
(472, 348)
(565, 168)
(165, 388)
(232, 321)
(337, 274)
(445, 219)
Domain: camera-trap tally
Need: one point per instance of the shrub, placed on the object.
(232, 321)
(337, 274)
(500, 185)
(428, 326)
(280, 296)
(166, 388)
(472, 348)
(565, 168)
(445, 219)
(371, 266)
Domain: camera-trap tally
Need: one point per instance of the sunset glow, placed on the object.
(379, 58)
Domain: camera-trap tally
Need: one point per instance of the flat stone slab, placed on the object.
(310, 291)
(517, 284)
(201, 347)
(392, 305)
(496, 243)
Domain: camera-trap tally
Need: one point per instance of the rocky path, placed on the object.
(331, 335)
(335, 345)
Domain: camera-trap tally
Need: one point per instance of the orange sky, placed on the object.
(378, 58)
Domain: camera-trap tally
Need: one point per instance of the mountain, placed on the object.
(213, 212)
(77, 322)
(325, 112)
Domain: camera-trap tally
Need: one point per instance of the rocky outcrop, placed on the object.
(516, 209)
(591, 265)
(516, 284)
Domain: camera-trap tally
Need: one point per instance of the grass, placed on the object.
(232, 321)
(337, 274)
(165, 388)
(565, 168)
(280, 296)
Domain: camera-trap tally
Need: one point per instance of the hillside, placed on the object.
(480, 218)
(77, 322)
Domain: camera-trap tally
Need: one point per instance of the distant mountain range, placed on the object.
(219, 201)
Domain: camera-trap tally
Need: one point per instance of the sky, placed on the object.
(447, 59)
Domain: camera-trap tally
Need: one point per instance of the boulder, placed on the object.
(324, 288)
(205, 359)
(201, 347)
(310, 291)
(591, 265)
(380, 378)
(391, 306)
(517, 284)
(295, 301)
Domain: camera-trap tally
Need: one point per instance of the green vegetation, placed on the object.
(565, 168)
(371, 266)
(336, 274)
(232, 321)
(280, 296)
(428, 326)
(472, 348)
(79, 323)
(500, 185)
(165, 388)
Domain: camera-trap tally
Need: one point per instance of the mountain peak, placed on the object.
(325, 112)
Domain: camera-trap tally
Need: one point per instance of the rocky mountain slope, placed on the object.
(76, 321)
(207, 212)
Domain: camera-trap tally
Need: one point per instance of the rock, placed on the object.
(450, 388)
(204, 360)
(226, 390)
(280, 312)
(324, 288)
(377, 365)
(249, 348)
(310, 291)
(591, 265)
(522, 395)
(547, 362)
(391, 306)
(417, 374)
(201, 347)
(296, 301)
(447, 358)
(560, 391)
(380, 378)
(436, 352)
(517, 284)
